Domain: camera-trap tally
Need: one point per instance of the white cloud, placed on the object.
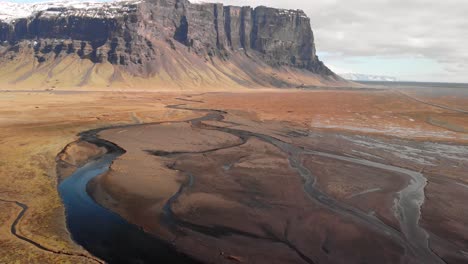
(429, 29)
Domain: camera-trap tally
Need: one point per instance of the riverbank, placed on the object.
(34, 127)
(223, 204)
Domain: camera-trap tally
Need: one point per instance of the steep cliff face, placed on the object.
(170, 40)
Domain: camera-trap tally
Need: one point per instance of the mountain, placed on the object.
(367, 77)
(157, 43)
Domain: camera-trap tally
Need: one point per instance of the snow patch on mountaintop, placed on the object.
(10, 11)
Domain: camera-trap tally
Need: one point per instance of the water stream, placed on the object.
(109, 237)
(104, 233)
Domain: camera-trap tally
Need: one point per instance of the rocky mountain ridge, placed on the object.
(164, 39)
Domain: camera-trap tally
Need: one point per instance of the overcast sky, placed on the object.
(423, 40)
(420, 40)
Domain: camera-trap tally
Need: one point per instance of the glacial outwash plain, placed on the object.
(162, 131)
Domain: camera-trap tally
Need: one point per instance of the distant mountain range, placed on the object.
(367, 77)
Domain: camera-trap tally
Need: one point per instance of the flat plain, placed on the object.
(252, 176)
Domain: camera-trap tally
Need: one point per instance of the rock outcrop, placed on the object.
(167, 39)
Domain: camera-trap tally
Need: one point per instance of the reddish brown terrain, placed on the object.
(321, 176)
(297, 177)
(164, 131)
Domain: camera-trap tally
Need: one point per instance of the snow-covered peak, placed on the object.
(10, 11)
(367, 77)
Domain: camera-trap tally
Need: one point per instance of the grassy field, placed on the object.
(34, 128)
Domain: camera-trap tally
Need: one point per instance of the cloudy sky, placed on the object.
(419, 40)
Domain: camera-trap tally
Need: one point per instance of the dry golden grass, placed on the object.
(173, 70)
(34, 128)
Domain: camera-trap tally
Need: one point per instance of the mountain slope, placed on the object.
(157, 43)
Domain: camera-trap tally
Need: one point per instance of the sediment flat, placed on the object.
(259, 176)
(279, 192)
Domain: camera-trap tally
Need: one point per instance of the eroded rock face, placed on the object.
(132, 34)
